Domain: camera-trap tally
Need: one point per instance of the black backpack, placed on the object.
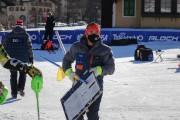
(144, 54)
(137, 51)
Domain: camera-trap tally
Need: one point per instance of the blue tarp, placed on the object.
(142, 35)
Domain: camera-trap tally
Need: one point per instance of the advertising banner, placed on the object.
(106, 36)
(78, 34)
(3, 35)
(118, 35)
(142, 35)
(67, 36)
(34, 35)
(153, 36)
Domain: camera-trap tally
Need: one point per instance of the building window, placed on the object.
(129, 7)
(178, 6)
(17, 8)
(161, 8)
(149, 6)
(165, 6)
(22, 8)
(33, 9)
(48, 10)
(11, 8)
(40, 10)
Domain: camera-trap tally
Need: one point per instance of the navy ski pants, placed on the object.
(93, 109)
(17, 85)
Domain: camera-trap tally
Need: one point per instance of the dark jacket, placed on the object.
(18, 44)
(50, 23)
(99, 55)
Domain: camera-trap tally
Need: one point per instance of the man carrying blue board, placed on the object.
(90, 54)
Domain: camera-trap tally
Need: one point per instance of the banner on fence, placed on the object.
(142, 35)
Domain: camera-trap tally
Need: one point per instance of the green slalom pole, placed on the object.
(4, 95)
(37, 99)
(36, 85)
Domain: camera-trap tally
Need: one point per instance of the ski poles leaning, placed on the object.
(60, 74)
(60, 43)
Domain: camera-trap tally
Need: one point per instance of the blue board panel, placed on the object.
(34, 35)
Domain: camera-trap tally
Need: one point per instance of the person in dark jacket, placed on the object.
(18, 45)
(90, 54)
(50, 23)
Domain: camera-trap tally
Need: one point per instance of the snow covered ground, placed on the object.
(136, 91)
(60, 28)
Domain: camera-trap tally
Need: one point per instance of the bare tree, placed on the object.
(4, 19)
(3, 14)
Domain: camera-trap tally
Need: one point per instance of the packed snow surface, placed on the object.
(137, 90)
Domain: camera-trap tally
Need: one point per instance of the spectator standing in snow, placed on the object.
(18, 45)
(90, 53)
(50, 23)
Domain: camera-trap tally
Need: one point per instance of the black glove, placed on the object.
(31, 60)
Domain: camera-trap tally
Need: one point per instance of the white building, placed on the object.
(31, 13)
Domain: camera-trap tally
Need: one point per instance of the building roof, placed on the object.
(8, 2)
(109, 0)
